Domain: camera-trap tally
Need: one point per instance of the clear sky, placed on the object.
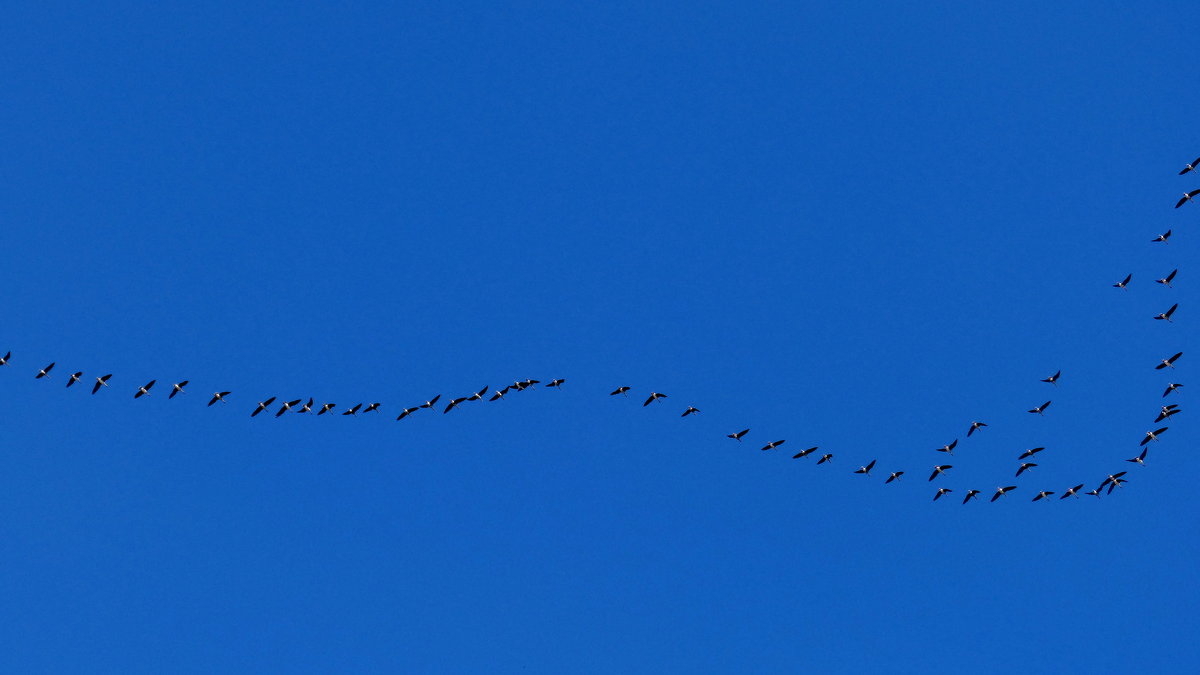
(859, 227)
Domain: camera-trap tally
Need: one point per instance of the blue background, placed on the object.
(858, 227)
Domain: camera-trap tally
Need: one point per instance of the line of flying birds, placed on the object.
(1109, 483)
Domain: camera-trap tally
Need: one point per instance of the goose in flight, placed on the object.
(1053, 379)
(353, 411)
(74, 378)
(1140, 459)
(940, 492)
(1001, 491)
(307, 407)
(1191, 166)
(1187, 197)
(177, 388)
(501, 392)
(1153, 435)
(1114, 480)
(1121, 284)
(286, 407)
(1167, 314)
(808, 451)
(1043, 494)
(1040, 409)
(431, 402)
(101, 381)
(478, 396)
(144, 389)
(738, 436)
(454, 404)
(971, 494)
(1167, 411)
(1030, 453)
(895, 475)
(326, 408)
(825, 458)
(1166, 281)
(406, 412)
(974, 426)
(1025, 466)
(44, 372)
(372, 407)
(1174, 386)
(1073, 492)
(1168, 363)
(4, 361)
(691, 410)
(262, 405)
(218, 396)
(1095, 493)
(949, 447)
(939, 470)
(1162, 237)
(866, 469)
(621, 391)
(556, 383)
(772, 445)
(654, 396)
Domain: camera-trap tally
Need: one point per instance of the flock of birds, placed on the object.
(1106, 485)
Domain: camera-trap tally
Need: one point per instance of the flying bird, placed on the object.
(44, 372)
(1162, 237)
(287, 406)
(974, 426)
(1025, 466)
(971, 494)
(1167, 411)
(4, 361)
(1167, 314)
(825, 458)
(556, 383)
(1187, 197)
(1140, 459)
(1053, 379)
(177, 388)
(478, 396)
(1120, 284)
(1153, 435)
(808, 451)
(940, 492)
(406, 412)
(654, 396)
(772, 445)
(1174, 386)
(307, 407)
(74, 378)
(1166, 281)
(372, 407)
(1168, 363)
(500, 393)
(1190, 167)
(454, 404)
(939, 470)
(738, 436)
(262, 405)
(1043, 494)
(352, 411)
(1072, 492)
(621, 391)
(1113, 480)
(326, 408)
(218, 396)
(895, 476)
(144, 389)
(1030, 452)
(1095, 493)
(101, 381)
(1041, 408)
(431, 402)
(949, 447)
(866, 469)
(691, 410)
(1000, 491)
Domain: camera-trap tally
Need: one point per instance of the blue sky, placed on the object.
(859, 227)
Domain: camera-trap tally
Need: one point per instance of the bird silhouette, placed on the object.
(621, 391)
(825, 458)
(895, 475)
(1167, 314)
(1030, 452)
(1187, 197)
(1164, 237)
(940, 492)
(74, 378)
(1174, 386)
(144, 389)
(691, 410)
(974, 426)
(772, 445)
(44, 372)
(1001, 491)
(949, 447)
(101, 381)
(1121, 284)
(1073, 492)
(738, 436)
(1053, 379)
(654, 396)
(1168, 363)
(1191, 166)
(1140, 459)
(262, 405)
(971, 494)
(939, 470)
(1042, 495)
(1041, 408)
(808, 451)
(1166, 281)
(286, 407)
(1153, 435)
(177, 388)
(866, 468)
(218, 396)
(1025, 466)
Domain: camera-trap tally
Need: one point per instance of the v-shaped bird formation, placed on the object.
(1024, 468)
